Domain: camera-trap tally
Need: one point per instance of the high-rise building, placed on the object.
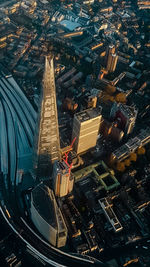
(63, 179)
(111, 58)
(86, 128)
(112, 62)
(88, 2)
(47, 139)
(47, 216)
(125, 116)
(109, 50)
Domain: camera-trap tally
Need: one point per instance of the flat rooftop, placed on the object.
(70, 25)
(100, 174)
(141, 139)
(111, 216)
(88, 114)
(130, 111)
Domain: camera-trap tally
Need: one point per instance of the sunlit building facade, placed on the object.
(86, 126)
(63, 179)
(47, 139)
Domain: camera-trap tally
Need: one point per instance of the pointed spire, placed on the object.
(48, 139)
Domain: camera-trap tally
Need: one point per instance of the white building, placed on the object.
(86, 128)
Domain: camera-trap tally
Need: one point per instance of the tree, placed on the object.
(120, 167)
(127, 162)
(107, 97)
(110, 89)
(120, 97)
(133, 157)
(111, 98)
(141, 151)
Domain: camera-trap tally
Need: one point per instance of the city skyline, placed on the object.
(75, 133)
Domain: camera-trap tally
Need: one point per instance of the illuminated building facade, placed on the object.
(48, 145)
(111, 59)
(63, 179)
(86, 128)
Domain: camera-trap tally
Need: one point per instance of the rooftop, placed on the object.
(100, 174)
(110, 214)
(141, 139)
(88, 114)
(130, 111)
(70, 25)
(127, 110)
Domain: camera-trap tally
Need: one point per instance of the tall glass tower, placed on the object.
(48, 144)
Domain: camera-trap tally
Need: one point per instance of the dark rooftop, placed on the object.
(44, 203)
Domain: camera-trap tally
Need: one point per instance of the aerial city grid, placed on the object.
(74, 133)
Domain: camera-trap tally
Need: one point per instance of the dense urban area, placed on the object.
(75, 133)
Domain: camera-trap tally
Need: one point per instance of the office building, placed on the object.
(47, 216)
(86, 128)
(124, 116)
(88, 2)
(110, 130)
(110, 215)
(109, 50)
(63, 179)
(47, 139)
(111, 59)
(112, 62)
(123, 152)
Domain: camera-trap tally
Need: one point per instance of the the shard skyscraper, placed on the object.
(47, 139)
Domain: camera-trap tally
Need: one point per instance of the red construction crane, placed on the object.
(66, 155)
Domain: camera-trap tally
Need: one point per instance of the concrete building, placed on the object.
(98, 176)
(47, 139)
(110, 50)
(125, 116)
(86, 128)
(63, 179)
(99, 26)
(88, 2)
(111, 58)
(123, 152)
(47, 216)
(70, 25)
(109, 130)
(112, 62)
(110, 215)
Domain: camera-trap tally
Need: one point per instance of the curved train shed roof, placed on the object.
(17, 123)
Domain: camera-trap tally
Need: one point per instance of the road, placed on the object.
(41, 248)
